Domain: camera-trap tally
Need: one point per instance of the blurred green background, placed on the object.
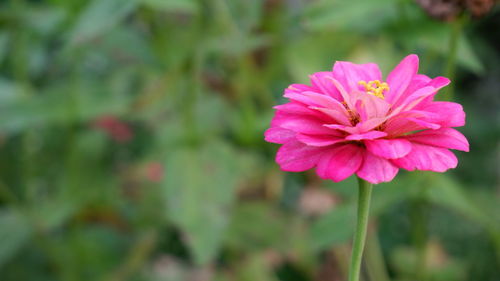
(131, 143)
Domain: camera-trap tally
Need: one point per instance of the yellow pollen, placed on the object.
(375, 88)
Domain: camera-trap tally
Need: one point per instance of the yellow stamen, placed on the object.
(375, 88)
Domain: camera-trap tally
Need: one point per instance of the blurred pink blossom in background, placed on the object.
(116, 129)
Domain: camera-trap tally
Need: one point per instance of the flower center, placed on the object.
(375, 87)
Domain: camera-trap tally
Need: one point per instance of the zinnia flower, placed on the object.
(349, 121)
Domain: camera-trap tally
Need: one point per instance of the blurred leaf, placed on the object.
(434, 36)
(4, 40)
(246, 14)
(439, 266)
(45, 20)
(317, 52)
(256, 267)
(350, 15)
(99, 17)
(9, 91)
(14, 233)
(337, 226)
(446, 191)
(199, 189)
(236, 44)
(127, 46)
(67, 105)
(167, 268)
(99, 247)
(256, 227)
(387, 195)
(467, 57)
(211, 115)
(334, 228)
(184, 6)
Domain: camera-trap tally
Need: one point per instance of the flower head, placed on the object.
(350, 120)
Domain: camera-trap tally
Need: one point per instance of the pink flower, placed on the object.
(114, 127)
(348, 121)
(154, 171)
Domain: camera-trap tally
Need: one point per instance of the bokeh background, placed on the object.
(131, 141)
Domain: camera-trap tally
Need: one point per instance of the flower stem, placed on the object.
(456, 32)
(364, 196)
(419, 222)
(374, 258)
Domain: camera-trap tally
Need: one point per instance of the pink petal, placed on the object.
(370, 106)
(318, 140)
(423, 95)
(367, 136)
(338, 115)
(376, 169)
(343, 92)
(413, 99)
(361, 127)
(400, 126)
(312, 98)
(449, 114)
(295, 156)
(296, 108)
(340, 162)
(370, 124)
(278, 135)
(361, 110)
(438, 83)
(322, 81)
(298, 88)
(372, 71)
(347, 129)
(349, 74)
(418, 81)
(400, 78)
(428, 158)
(424, 124)
(299, 123)
(326, 104)
(444, 137)
(388, 148)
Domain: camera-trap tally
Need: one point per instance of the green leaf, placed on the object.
(66, 106)
(317, 52)
(44, 20)
(4, 40)
(447, 192)
(349, 15)
(199, 189)
(256, 227)
(246, 14)
(14, 233)
(386, 195)
(99, 17)
(467, 57)
(184, 6)
(334, 228)
(256, 267)
(435, 36)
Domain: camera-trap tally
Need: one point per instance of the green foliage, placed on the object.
(131, 143)
(15, 229)
(199, 190)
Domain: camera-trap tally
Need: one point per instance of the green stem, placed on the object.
(419, 221)
(456, 32)
(364, 196)
(375, 261)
